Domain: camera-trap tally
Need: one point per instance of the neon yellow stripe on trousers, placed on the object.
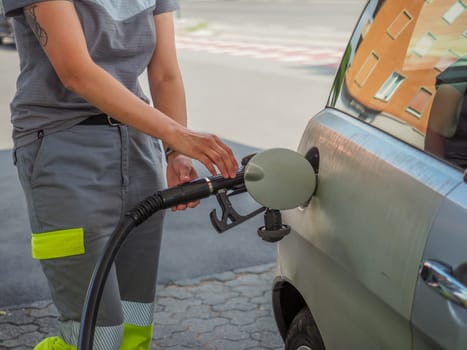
(57, 244)
(136, 337)
(53, 343)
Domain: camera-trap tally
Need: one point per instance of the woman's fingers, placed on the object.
(222, 156)
(207, 149)
(206, 161)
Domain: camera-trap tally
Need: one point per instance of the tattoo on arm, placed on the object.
(41, 34)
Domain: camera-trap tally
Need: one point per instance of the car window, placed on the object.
(405, 72)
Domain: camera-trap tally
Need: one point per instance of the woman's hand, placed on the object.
(180, 170)
(206, 148)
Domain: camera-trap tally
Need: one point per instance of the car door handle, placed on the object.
(439, 276)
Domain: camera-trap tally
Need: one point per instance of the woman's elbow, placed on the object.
(76, 77)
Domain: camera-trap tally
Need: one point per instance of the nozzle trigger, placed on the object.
(230, 217)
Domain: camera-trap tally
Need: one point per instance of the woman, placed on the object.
(88, 148)
(446, 134)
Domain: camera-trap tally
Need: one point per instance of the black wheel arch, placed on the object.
(287, 303)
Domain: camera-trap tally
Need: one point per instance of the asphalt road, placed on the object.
(251, 102)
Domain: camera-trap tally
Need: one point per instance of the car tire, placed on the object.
(303, 333)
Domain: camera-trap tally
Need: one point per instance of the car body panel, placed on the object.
(392, 217)
(356, 320)
(437, 320)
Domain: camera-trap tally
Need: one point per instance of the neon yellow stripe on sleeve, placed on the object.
(57, 244)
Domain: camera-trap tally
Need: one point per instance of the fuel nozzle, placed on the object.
(278, 179)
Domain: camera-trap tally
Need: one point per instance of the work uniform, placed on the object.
(81, 171)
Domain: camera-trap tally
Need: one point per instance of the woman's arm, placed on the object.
(165, 79)
(58, 29)
(168, 95)
(443, 119)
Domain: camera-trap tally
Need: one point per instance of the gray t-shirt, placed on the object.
(120, 36)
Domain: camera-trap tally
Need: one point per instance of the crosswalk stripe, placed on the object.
(319, 55)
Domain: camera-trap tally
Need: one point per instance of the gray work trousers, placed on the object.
(80, 182)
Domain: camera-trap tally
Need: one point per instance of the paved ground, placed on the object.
(231, 310)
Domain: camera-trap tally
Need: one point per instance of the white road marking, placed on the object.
(318, 55)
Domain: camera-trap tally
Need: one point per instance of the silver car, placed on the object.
(378, 257)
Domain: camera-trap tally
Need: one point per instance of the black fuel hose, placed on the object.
(184, 193)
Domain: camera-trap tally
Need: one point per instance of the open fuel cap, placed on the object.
(280, 178)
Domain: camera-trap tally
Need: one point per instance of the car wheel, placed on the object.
(303, 333)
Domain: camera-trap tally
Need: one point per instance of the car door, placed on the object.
(440, 306)
(369, 223)
(380, 194)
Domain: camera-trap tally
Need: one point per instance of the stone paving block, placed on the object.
(209, 287)
(16, 344)
(175, 305)
(224, 344)
(236, 303)
(249, 291)
(162, 331)
(229, 332)
(180, 347)
(21, 343)
(17, 317)
(198, 325)
(268, 340)
(47, 325)
(47, 310)
(165, 318)
(187, 339)
(158, 307)
(10, 331)
(214, 297)
(174, 291)
(198, 311)
(264, 298)
(240, 317)
(246, 280)
(266, 324)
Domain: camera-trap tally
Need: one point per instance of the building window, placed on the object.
(399, 24)
(366, 69)
(454, 12)
(389, 87)
(424, 44)
(420, 102)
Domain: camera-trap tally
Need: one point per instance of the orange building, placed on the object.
(396, 63)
